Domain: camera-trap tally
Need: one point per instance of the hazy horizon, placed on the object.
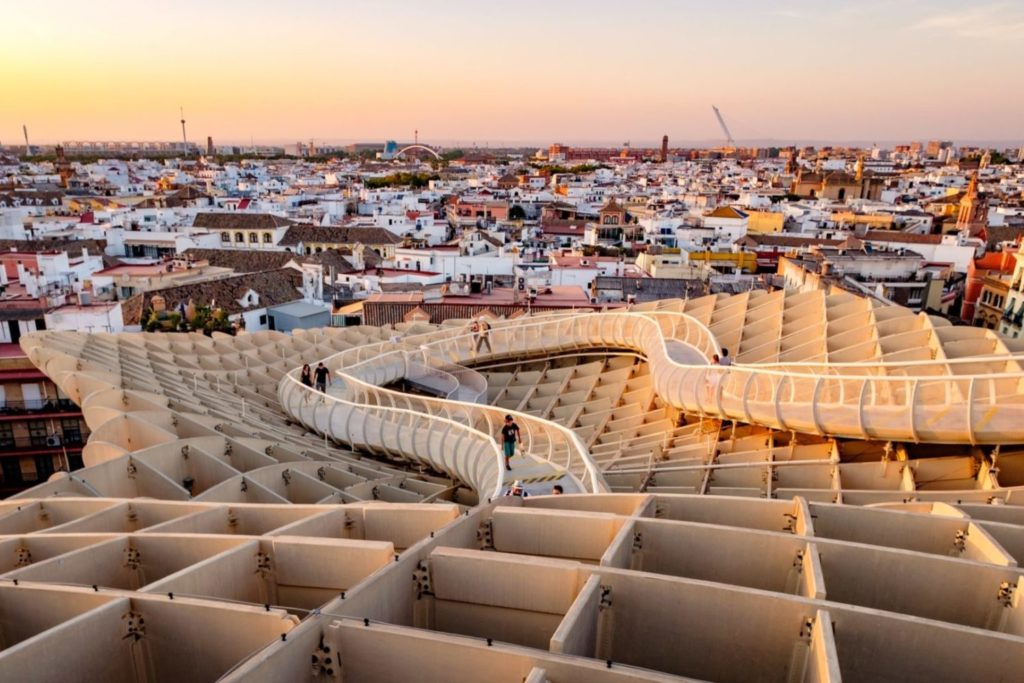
(539, 144)
(523, 73)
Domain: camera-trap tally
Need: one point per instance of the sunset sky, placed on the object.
(531, 71)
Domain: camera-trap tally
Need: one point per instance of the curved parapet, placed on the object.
(970, 400)
(362, 373)
(431, 440)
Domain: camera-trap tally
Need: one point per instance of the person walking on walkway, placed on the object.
(306, 377)
(713, 377)
(509, 439)
(323, 377)
(517, 490)
(482, 333)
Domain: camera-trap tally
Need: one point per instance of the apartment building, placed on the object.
(41, 429)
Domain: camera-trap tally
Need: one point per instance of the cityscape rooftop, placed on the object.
(522, 344)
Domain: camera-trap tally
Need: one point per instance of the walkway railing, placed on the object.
(432, 440)
(943, 401)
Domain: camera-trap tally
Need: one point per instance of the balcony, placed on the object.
(36, 407)
(20, 445)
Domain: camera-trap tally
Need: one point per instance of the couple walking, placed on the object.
(481, 330)
(318, 378)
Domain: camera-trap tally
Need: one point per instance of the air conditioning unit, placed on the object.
(53, 440)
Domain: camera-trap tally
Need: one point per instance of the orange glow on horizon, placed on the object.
(526, 72)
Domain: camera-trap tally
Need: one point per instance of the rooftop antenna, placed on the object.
(725, 129)
(184, 138)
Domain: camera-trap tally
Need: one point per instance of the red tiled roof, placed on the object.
(317, 234)
(895, 236)
(554, 227)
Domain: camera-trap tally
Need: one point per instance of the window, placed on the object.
(72, 430)
(37, 432)
(31, 394)
(239, 237)
(253, 238)
(6, 435)
(267, 238)
(263, 319)
(12, 470)
(44, 467)
(225, 237)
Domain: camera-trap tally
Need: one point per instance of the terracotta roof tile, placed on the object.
(274, 287)
(235, 220)
(241, 260)
(307, 234)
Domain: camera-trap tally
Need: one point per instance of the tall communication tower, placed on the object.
(184, 138)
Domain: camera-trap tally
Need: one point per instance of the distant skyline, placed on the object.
(528, 72)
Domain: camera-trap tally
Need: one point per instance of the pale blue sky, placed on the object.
(531, 70)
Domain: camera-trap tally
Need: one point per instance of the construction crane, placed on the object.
(725, 129)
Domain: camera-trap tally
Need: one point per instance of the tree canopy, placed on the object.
(415, 180)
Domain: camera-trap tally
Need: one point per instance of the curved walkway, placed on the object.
(968, 400)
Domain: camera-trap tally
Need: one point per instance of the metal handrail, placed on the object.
(38, 405)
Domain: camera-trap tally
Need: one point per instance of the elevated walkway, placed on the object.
(970, 399)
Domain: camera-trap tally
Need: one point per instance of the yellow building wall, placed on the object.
(765, 221)
(871, 220)
(745, 260)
